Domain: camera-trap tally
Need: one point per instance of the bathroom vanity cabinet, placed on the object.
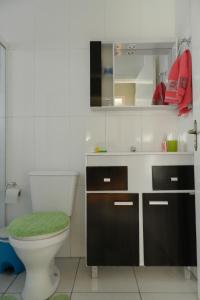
(113, 229)
(140, 209)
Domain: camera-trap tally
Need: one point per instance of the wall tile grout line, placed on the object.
(75, 277)
(137, 283)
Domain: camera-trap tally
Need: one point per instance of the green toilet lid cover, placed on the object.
(39, 223)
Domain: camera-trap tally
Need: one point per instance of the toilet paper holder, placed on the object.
(11, 185)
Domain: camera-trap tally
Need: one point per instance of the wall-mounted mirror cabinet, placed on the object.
(126, 74)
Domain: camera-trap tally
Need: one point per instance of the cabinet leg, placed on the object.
(94, 272)
(187, 273)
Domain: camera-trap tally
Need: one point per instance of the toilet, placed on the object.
(37, 237)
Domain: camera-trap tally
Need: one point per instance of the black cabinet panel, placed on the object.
(107, 178)
(173, 177)
(169, 229)
(112, 229)
(95, 74)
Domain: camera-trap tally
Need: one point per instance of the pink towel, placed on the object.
(159, 94)
(179, 87)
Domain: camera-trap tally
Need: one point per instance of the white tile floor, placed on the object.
(113, 283)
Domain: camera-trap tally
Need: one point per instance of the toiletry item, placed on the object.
(100, 150)
(172, 146)
(96, 149)
(182, 142)
(108, 70)
(103, 150)
(164, 144)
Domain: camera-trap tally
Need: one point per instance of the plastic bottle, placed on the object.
(164, 144)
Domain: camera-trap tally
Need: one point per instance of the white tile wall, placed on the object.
(123, 131)
(20, 149)
(183, 18)
(87, 132)
(49, 123)
(51, 83)
(158, 17)
(52, 142)
(87, 21)
(123, 21)
(17, 23)
(155, 128)
(79, 81)
(20, 76)
(50, 27)
(20, 208)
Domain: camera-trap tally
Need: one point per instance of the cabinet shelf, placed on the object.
(107, 75)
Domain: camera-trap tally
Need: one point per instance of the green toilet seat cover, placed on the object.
(37, 224)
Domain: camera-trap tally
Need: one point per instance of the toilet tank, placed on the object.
(53, 190)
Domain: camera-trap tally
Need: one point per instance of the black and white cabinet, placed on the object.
(112, 218)
(140, 210)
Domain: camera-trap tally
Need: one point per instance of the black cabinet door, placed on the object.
(95, 73)
(112, 229)
(169, 229)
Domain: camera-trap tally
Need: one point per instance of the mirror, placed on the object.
(131, 72)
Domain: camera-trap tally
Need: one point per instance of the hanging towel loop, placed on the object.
(183, 44)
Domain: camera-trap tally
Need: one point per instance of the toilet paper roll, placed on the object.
(12, 194)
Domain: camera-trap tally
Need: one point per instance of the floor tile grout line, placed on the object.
(116, 292)
(137, 282)
(75, 277)
(10, 284)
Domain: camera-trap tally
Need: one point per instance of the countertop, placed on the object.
(136, 153)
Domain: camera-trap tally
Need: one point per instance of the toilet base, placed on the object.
(42, 284)
(38, 256)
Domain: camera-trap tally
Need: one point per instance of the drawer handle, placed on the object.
(174, 179)
(107, 180)
(128, 203)
(158, 202)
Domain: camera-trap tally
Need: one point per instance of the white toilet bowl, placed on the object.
(37, 254)
(38, 236)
